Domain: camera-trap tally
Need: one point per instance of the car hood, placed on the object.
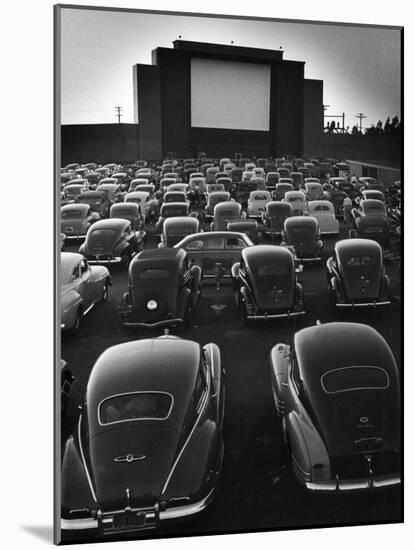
(154, 449)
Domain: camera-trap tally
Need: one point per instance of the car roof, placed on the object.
(75, 206)
(301, 220)
(260, 253)
(357, 246)
(326, 347)
(110, 223)
(124, 205)
(204, 235)
(181, 221)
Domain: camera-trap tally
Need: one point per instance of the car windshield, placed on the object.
(72, 214)
(322, 208)
(135, 406)
(124, 212)
(355, 378)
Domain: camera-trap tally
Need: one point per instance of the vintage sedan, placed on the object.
(274, 217)
(163, 289)
(128, 211)
(180, 187)
(368, 194)
(76, 219)
(175, 196)
(72, 191)
(175, 229)
(370, 207)
(298, 201)
(337, 392)
(280, 190)
(137, 182)
(224, 212)
(256, 203)
(313, 191)
(212, 187)
(370, 183)
(97, 200)
(248, 227)
(265, 284)
(376, 228)
(301, 235)
(356, 274)
(81, 287)
(213, 250)
(148, 446)
(272, 179)
(113, 189)
(324, 212)
(171, 210)
(215, 198)
(111, 241)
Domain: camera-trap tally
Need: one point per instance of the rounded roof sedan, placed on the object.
(153, 411)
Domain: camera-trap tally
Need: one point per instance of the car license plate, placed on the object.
(129, 520)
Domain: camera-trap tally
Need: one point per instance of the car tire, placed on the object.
(105, 293)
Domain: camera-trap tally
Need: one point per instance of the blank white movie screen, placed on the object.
(230, 95)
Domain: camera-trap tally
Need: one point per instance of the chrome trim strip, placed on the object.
(88, 310)
(94, 261)
(202, 408)
(365, 304)
(383, 371)
(153, 325)
(188, 509)
(84, 461)
(260, 317)
(133, 419)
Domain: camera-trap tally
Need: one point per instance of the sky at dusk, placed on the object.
(360, 66)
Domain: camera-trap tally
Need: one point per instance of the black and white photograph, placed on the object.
(228, 206)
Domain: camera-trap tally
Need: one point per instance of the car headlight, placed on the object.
(152, 305)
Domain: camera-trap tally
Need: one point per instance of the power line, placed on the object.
(118, 113)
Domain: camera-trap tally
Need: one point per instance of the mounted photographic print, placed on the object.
(228, 259)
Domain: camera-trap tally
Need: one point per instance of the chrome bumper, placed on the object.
(172, 513)
(315, 259)
(73, 237)
(338, 485)
(275, 316)
(116, 260)
(364, 304)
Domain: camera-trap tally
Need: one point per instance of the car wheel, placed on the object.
(105, 293)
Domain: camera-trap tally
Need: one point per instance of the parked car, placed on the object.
(72, 191)
(370, 183)
(275, 215)
(370, 207)
(113, 189)
(297, 179)
(175, 229)
(342, 184)
(376, 228)
(301, 235)
(280, 190)
(265, 284)
(171, 210)
(214, 249)
(215, 198)
(272, 179)
(356, 274)
(368, 194)
(337, 392)
(163, 290)
(111, 241)
(143, 200)
(226, 182)
(298, 201)
(97, 200)
(136, 182)
(175, 196)
(248, 227)
(324, 212)
(313, 191)
(81, 287)
(225, 212)
(129, 211)
(256, 204)
(180, 187)
(126, 469)
(75, 220)
(212, 187)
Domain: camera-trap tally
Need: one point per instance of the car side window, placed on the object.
(195, 245)
(234, 242)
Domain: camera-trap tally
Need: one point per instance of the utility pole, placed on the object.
(118, 113)
(360, 116)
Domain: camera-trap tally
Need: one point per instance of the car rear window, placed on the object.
(322, 208)
(135, 406)
(72, 214)
(358, 261)
(146, 274)
(373, 229)
(355, 378)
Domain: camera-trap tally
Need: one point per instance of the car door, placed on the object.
(233, 245)
(214, 255)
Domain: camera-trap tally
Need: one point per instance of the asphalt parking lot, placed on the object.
(257, 490)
